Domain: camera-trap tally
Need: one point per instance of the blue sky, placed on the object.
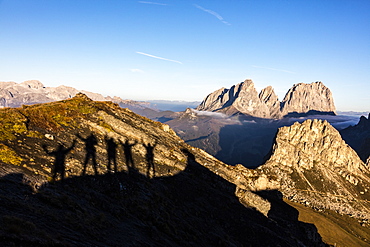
(184, 50)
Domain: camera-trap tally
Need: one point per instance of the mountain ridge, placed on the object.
(243, 98)
(76, 183)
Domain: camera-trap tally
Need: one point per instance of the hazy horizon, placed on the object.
(184, 50)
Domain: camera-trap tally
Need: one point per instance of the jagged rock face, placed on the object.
(314, 98)
(242, 97)
(167, 194)
(302, 98)
(248, 102)
(268, 96)
(316, 167)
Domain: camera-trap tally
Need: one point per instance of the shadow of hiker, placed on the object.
(195, 207)
(149, 156)
(112, 154)
(127, 150)
(60, 156)
(90, 143)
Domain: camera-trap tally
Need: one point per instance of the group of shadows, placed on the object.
(90, 142)
(195, 207)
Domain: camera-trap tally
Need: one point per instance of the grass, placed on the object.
(9, 156)
(335, 229)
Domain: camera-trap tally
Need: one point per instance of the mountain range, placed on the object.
(90, 173)
(302, 99)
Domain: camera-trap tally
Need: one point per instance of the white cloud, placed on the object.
(163, 4)
(136, 70)
(162, 58)
(215, 14)
(281, 70)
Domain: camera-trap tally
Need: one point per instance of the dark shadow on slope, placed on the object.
(90, 143)
(149, 156)
(358, 137)
(127, 150)
(193, 208)
(198, 138)
(282, 213)
(246, 144)
(309, 113)
(112, 154)
(59, 155)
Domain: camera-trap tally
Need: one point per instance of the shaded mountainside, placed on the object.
(358, 137)
(236, 139)
(88, 173)
(301, 100)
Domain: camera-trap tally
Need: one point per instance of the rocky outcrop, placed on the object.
(314, 98)
(242, 98)
(268, 96)
(314, 166)
(303, 98)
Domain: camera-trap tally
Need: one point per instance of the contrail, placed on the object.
(215, 14)
(162, 58)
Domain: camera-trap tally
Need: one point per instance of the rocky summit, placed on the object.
(314, 166)
(80, 172)
(301, 99)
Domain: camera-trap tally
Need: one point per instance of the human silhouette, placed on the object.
(190, 157)
(127, 149)
(150, 158)
(60, 156)
(90, 143)
(112, 154)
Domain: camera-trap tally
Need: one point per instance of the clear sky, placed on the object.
(185, 49)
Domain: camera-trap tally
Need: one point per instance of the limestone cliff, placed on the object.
(268, 96)
(242, 98)
(303, 98)
(314, 98)
(316, 167)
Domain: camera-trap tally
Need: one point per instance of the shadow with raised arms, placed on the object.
(192, 208)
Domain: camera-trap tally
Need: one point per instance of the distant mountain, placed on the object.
(301, 100)
(14, 94)
(358, 137)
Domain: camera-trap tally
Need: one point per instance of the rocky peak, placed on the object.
(242, 98)
(268, 96)
(248, 102)
(303, 98)
(82, 96)
(315, 166)
(34, 84)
